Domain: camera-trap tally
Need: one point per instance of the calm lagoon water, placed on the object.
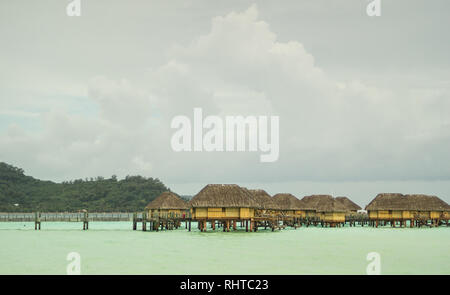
(113, 248)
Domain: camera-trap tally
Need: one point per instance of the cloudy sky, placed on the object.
(363, 102)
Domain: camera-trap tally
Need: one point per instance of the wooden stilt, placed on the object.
(134, 221)
(37, 220)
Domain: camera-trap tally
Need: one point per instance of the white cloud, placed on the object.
(330, 129)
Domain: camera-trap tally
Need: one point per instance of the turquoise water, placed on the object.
(113, 248)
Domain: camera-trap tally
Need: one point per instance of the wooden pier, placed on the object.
(65, 216)
(84, 217)
(38, 219)
(157, 222)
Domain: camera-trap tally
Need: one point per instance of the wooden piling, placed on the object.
(85, 221)
(144, 221)
(134, 221)
(37, 221)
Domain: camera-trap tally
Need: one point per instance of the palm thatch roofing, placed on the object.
(349, 204)
(287, 201)
(167, 200)
(323, 203)
(264, 200)
(391, 201)
(225, 196)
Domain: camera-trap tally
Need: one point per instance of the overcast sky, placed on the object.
(363, 102)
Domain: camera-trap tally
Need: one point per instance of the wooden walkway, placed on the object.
(66, 216)
(155, 223)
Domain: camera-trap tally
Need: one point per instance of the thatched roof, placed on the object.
(349, 204)
(427, 203)
(388, 201)
(287, 202)
(167, 200)
(397, 201)
(264, 200)
(323, 203)
(224, 195)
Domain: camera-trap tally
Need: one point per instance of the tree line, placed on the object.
(22, 193)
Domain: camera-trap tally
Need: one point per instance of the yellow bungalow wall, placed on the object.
(406, 214)
(200, 213)
(396, 214)
(305, 213)
(215, 212)
(333, 216)
(212, 213)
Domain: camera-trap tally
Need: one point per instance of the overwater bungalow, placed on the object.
(330, 211)
(266, 204)
(225, 203)
(289, 205)
(354, 213)
(351, 207)
(166, 204)
(394, 208)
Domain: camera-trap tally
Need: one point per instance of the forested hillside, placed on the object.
(21, 193)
